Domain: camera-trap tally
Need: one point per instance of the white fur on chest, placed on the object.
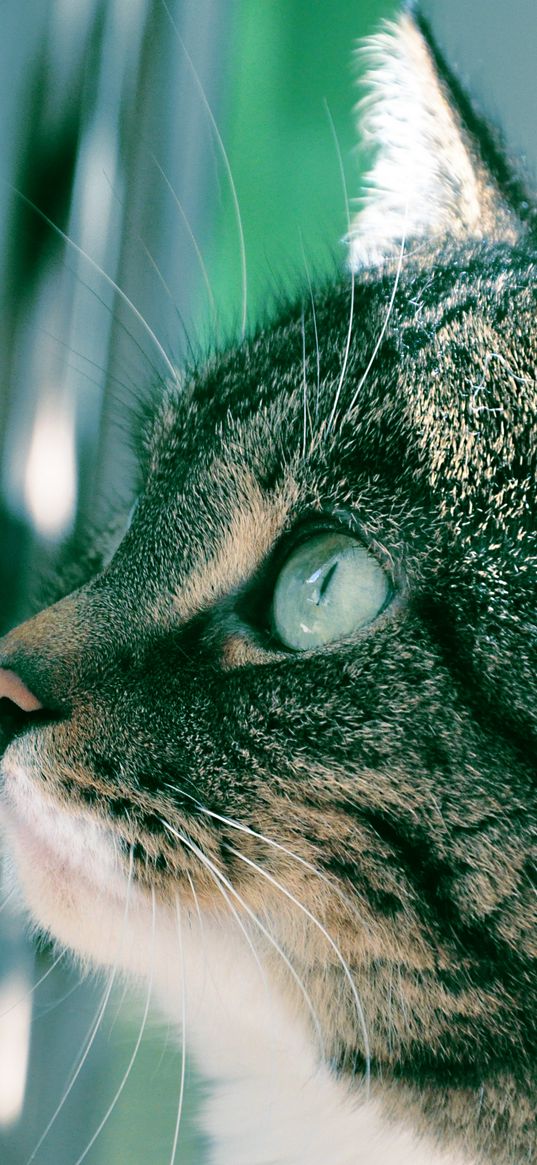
(271, 1102)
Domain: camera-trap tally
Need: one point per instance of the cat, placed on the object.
(276, 757)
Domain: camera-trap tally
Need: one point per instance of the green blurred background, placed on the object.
(292, 80)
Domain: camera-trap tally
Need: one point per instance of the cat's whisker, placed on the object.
(225, 160)
(159, 274)
(151, 259)
(387, 317)
(184, 218)
(86, 1049)
(315, 332)
(196, 901)
(130, 389)
(256, 920)
(240, 924)
(218, 879)
(7, 899)
(104, 275)
(389, 1013)
(333, 945)
(96, 1022)
(402, 1000)
(206, 961)
(34, 986)
(247, 829)
(249, 941)
(183, 1033)
(306, 416)
(351, 307)
(80, 372)
(119, 1007)
(120, 323)
(221, 890)
(139, 1038)
(43, 1011)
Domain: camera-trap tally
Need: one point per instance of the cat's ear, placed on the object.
(430, 176)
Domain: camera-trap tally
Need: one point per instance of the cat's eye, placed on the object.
(329, 587)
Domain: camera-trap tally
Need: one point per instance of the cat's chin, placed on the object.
(69, 870)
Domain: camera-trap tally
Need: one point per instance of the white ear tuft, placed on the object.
(428, 178)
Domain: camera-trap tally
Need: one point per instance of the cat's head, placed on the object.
(307, 675)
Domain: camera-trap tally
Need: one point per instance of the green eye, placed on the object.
(329, 587)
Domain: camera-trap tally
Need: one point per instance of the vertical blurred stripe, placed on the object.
(100, 123)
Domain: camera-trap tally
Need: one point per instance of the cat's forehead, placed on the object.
(435, 365)
(283, 396)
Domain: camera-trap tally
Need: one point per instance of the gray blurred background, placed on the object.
(110, 124)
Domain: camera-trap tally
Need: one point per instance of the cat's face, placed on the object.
(309, 668)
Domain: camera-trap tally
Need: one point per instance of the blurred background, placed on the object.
(131, 131)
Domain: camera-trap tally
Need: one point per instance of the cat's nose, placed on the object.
(14, 689)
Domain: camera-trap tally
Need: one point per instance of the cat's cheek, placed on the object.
(67, 869)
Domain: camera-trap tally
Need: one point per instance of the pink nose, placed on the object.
(12, 688)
